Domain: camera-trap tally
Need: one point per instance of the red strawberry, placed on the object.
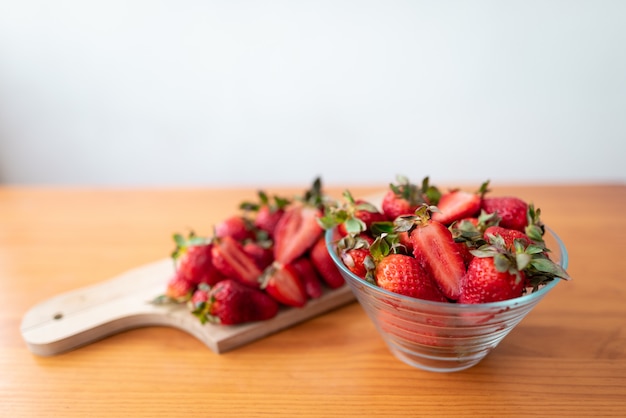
(296, 232)
(199, 297)
(511, 210)
(309, 277)
(359, 213)
(325, 265)
(485, 283)
(178, 288)
(230, 302)
(405, 197)
(236, 227)
(260, 253)
(403, 274)
(194, 261)
(509, 236)
(268, 212)
(355, 253)
(233, 262)
(283, 283)
(435, 249)
(458, 204)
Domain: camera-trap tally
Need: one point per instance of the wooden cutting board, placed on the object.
(86, 315)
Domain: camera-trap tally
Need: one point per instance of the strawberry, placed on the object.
(354, 216)
(324, 264)
(178, 288)
(404, 275)
(296, 232)
(458, 204)
(355, 253)
(298, 229)
(509, 236)
(499, 272)
(268, 212)
(233, 262)
(236, 227)
(486, 282)
(405, 197)
(283, 284)
(309, 276)
(194, 261)
(260, 252)
(511, 210)
(435, 249)
(230, 302)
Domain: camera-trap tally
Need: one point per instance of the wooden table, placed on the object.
(567, 358)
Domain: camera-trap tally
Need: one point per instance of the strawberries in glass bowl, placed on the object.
(449, 276)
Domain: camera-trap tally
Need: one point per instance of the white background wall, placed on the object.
(198, 92)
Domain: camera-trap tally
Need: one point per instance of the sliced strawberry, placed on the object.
(436, 251)
(283, 283)
(296, 232)
(325, 265)
(232, 261)
(457, 205)
(309, 277)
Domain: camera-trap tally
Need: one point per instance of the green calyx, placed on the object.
(532, 260)
(415, 195)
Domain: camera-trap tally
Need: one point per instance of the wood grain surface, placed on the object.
(566, 358)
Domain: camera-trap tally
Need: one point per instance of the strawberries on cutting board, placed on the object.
(273, 249)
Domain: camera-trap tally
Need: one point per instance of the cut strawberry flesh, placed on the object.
(456, 205)
(295, 233)
(285, 286)
(232, 260)
(435, 249)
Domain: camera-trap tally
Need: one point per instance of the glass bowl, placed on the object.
(437, 336)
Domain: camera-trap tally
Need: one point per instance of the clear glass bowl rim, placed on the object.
(524, 299)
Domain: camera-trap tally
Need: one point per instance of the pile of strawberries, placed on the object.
(454, 246)
(269, 255)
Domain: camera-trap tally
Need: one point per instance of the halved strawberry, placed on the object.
(435, 249)
(232, 261)
(458, 204)
(283, 283)
(296, 232)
